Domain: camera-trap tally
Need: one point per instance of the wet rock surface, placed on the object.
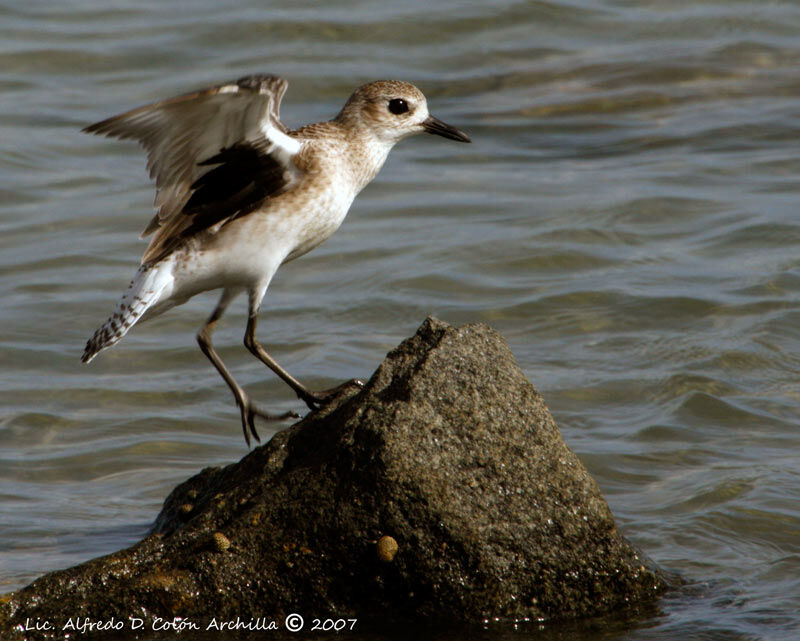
(442, 490)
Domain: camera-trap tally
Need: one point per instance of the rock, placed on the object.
(221, 542)
(386, 548)
(448, 451)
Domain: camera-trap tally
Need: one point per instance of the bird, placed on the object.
(238, 194)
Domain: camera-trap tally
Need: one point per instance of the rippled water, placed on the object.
(626, 217)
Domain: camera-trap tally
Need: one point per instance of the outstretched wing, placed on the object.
(214, 154)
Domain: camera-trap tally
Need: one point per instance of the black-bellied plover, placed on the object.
(238, 194)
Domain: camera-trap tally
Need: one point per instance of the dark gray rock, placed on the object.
(443, 490)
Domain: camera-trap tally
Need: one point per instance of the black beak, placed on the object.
(435, 126)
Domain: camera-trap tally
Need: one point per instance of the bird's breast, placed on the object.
(315, 222)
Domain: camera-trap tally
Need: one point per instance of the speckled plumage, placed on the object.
(237, 195)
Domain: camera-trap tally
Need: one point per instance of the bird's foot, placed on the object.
(249, 412)
(317, 400)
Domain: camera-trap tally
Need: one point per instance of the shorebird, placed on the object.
(238, 194)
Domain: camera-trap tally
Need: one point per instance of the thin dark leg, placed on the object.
(314, 400)
(248, 409)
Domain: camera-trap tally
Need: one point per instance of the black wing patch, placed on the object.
(246, 175)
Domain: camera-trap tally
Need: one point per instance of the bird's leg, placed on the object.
(314, 400)
(248, 409)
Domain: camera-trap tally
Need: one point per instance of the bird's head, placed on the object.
(390, 110)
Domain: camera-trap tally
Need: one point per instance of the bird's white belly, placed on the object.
(246, 253)
(238, 262)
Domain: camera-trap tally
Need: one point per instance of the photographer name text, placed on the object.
(293, 623)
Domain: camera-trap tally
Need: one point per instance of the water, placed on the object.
(626, 217)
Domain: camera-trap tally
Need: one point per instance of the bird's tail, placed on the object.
(143, 292)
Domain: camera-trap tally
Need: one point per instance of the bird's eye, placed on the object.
(398, 106)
